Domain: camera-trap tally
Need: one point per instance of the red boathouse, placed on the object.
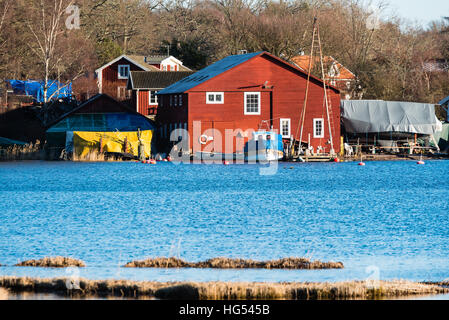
(242, 93)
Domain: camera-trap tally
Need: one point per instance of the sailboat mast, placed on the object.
(332, 151)
(309, 71)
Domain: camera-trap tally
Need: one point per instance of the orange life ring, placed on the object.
(203, 139)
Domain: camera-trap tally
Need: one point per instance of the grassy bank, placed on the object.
(52, 262)
(229, 263)
(4, 294)
(221, 290)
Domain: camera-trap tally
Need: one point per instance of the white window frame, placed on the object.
(180, 100)
(126, 66)
(151, 95)
(315, 120)
(215, 94)
(176, 100)
(281, 120)
(245, 103)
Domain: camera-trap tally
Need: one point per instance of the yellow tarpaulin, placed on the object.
(85, 142)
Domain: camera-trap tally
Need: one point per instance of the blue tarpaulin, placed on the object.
(56, 90)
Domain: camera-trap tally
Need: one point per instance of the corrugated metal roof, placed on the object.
(208, 73)
(155, 79)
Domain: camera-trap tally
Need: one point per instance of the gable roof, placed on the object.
(224, 65)
(155, 79)
(97, 96)
(158, 59)
(303, 62)
(209, 72)
(134, 59)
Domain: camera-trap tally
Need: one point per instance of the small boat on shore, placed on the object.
(264, 146)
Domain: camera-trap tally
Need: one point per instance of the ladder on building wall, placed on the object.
(316, 42)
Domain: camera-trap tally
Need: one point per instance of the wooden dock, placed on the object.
(314, 158)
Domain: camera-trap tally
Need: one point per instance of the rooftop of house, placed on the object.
(224, 65)
(208, 73)
(135, 59)
(155, 80)
(143, 61)
(155, 59)
(334, 68)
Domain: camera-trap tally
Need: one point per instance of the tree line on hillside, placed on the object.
(44, 39)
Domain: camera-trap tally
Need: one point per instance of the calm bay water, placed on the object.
(388, 218)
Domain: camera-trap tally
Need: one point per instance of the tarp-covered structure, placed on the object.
(81, 143)
(101, 124)
(442, 137)
(55, 90)
(374, 116)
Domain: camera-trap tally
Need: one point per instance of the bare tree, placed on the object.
(5, 6)
(46, 29)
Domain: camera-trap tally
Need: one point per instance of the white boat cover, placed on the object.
(369, 116)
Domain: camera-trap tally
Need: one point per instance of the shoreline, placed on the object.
(219, 290)
(313, 159)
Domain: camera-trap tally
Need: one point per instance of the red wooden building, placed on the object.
(113, 76)
(244, 93)
(145, 85)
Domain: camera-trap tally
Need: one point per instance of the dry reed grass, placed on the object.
(229, 263)
(4, 294)
(91, 156)
(96, 156)
(171, 262)
(27, 152)
(224, 290)
(52, 262)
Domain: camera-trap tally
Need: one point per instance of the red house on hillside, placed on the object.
(244, 93)
(113, 76)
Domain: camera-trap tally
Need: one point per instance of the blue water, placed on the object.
(387, 219)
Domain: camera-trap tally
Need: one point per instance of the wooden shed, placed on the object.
(101, 125)
(146, 84)
(249, 92)
(113, 76)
